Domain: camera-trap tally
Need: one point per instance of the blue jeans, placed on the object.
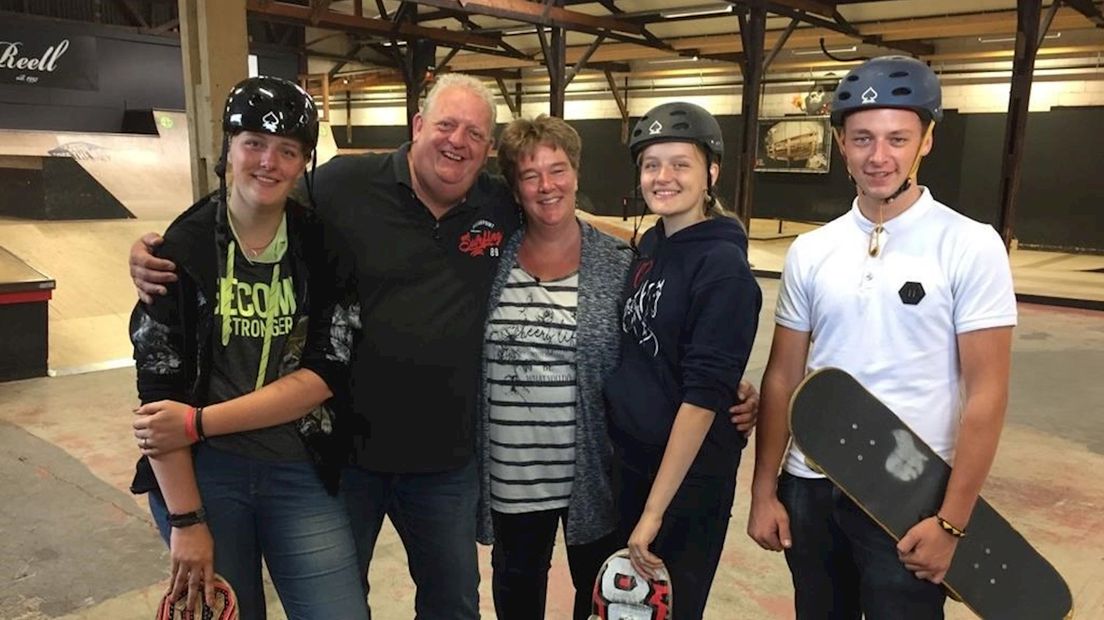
(522, 555)
(434, 515)
(843, 564)
(280, 511)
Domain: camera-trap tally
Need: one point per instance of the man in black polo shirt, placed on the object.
(417, 234)
(415, 237)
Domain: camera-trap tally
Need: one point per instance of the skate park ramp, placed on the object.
(150, 175)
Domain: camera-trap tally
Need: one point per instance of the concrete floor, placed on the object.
(75, 544)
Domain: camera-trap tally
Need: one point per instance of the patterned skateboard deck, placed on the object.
(225, 606)
(621, 593)
(897, 479)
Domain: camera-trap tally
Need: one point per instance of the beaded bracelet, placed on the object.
(950, 529)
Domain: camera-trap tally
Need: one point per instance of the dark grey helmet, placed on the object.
(272, 105)
(889, 82)
(678, 121)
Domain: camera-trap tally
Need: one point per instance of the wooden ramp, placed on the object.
(150, 175)
(91, 305)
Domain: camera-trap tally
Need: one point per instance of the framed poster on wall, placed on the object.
(794, 144)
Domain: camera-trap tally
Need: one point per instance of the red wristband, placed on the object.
(190, 426)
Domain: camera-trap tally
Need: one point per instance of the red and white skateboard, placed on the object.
(621, 593)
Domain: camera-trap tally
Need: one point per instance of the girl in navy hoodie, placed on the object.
(688, 321)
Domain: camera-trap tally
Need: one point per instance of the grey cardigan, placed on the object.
(602, 269)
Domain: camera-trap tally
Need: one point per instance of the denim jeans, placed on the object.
(278, 511)
(692, 534)
(843, 564)
(434, 515)
(522, 555)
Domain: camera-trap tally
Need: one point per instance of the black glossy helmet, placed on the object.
(272, 105)
(889, 82)
(678, 121)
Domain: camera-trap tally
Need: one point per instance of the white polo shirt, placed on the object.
(892, 320)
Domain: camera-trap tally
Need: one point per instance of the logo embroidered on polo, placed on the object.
(481, 239)
(911, 293)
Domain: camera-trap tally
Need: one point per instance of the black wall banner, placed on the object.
(47, 59)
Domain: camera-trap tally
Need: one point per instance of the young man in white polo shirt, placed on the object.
(916, 301)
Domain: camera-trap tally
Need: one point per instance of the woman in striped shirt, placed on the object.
(551, 340)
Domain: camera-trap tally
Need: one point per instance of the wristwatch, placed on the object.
(186, 519)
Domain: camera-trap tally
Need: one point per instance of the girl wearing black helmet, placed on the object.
(234, 321)
(688, 322)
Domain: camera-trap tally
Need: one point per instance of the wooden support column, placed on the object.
(753, 28)
(325, 77)
(515, 108)
(349, 117)
(214, 46)
(1028, 38)
(556, 60)
(622, 105)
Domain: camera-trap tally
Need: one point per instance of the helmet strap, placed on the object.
(310, 177)
(220, 168)
(709, 197)
(638, 217)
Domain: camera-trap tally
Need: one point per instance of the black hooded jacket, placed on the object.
(688, 322)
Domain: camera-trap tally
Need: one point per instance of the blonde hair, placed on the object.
(460, 80)
(522, 136)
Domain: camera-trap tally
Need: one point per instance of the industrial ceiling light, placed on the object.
(697, 11)
(842, 50)
(1055, 35)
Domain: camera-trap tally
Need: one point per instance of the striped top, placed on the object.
(529, 348)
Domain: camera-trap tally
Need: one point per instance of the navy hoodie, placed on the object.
(688, 321)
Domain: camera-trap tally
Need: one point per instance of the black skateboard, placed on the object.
(872, 456)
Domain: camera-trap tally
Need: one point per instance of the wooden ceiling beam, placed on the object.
(816, 7)
(1088, 9)
(301, 15)
(979, 24)
(896, 31)
(537, 13)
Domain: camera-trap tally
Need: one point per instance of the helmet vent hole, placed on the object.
(852, 78)
(682, 126)
(899, 74)
(902, 91)
(843, 96)
(678, 112)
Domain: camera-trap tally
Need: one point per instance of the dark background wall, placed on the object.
(136, 72)
(1061, 188)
